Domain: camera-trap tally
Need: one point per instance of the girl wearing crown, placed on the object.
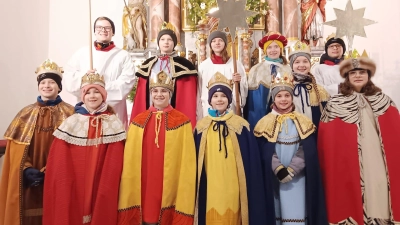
(358, 150)
(260, 76)
(293, 184)
(159, 174)
(85, 162)
(29, 138)
(221, 62)
(309, 98)
(229, 185)
(178, 68)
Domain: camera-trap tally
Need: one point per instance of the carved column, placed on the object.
(174, 8)
(291, 20)
(246, 42)
(156, 15)
(273, 17)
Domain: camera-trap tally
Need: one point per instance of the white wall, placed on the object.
(24, 45)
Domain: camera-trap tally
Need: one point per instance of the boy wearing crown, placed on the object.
(85, 162)
(260, 76)
(229, 186)
(29, 138)
(358, 150)
(159, 169)
(113, 63)
(177, 68)
(327, 72)
(309, 98)
(292, 176)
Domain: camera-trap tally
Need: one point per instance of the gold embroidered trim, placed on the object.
(149, 65)
(234, 123)
(269, 127)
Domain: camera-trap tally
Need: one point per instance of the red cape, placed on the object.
(70, 170)
(183, 99)
(337, 151)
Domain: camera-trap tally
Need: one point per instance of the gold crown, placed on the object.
(219, 79)
(168, 26)
(285, 79)
(353, 54)
(299, 47)
(333, 35)
(162, 80)
(49, 66)
(93, 79)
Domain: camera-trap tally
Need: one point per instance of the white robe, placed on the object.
(328, 77)
(117, 68)
(206, 70)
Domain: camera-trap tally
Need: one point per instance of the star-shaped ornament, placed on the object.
(232, 14)
(350, 23)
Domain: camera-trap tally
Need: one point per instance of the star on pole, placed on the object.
(232, 14)
(350, 23)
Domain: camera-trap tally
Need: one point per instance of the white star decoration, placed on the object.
(350, 23)
(232, 14)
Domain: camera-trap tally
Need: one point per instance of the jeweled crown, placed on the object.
(219, 79)
(93, 78)
(162, 80)
(49, 66)
(284, 79)
(299, 47)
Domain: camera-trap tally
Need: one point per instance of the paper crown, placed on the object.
(284, 79)
(355, 55)
(93, 79)
(299, 47)
(219, 79)
(161, 79)
(168, 26)
(49, 66)
(333, 35)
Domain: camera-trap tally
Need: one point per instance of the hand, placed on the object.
(236, 77)
(284, 175)
(33, 177)
(91, 71)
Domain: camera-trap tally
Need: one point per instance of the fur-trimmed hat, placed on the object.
(360, 63)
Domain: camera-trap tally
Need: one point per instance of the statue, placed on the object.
(134, 25)
(312, 19)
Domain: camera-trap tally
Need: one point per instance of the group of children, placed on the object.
(299, 155)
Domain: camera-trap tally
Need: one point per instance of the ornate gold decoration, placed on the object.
(330, 36)
(93, 79)
(282, 80)
(49, 66)
(350, 23)
(299, 47)
(168, 26)
(219, 79)
(162, 80)
(355, 55)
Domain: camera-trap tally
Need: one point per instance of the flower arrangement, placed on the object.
(197, 9)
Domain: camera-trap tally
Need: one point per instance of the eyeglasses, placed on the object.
(334, 46)
(100, 28)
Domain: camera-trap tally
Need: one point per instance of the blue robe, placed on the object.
(250, 155)
(314, 195)
(258, 97)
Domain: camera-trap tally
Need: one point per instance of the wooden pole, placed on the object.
(237, 83)
(90, 36)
